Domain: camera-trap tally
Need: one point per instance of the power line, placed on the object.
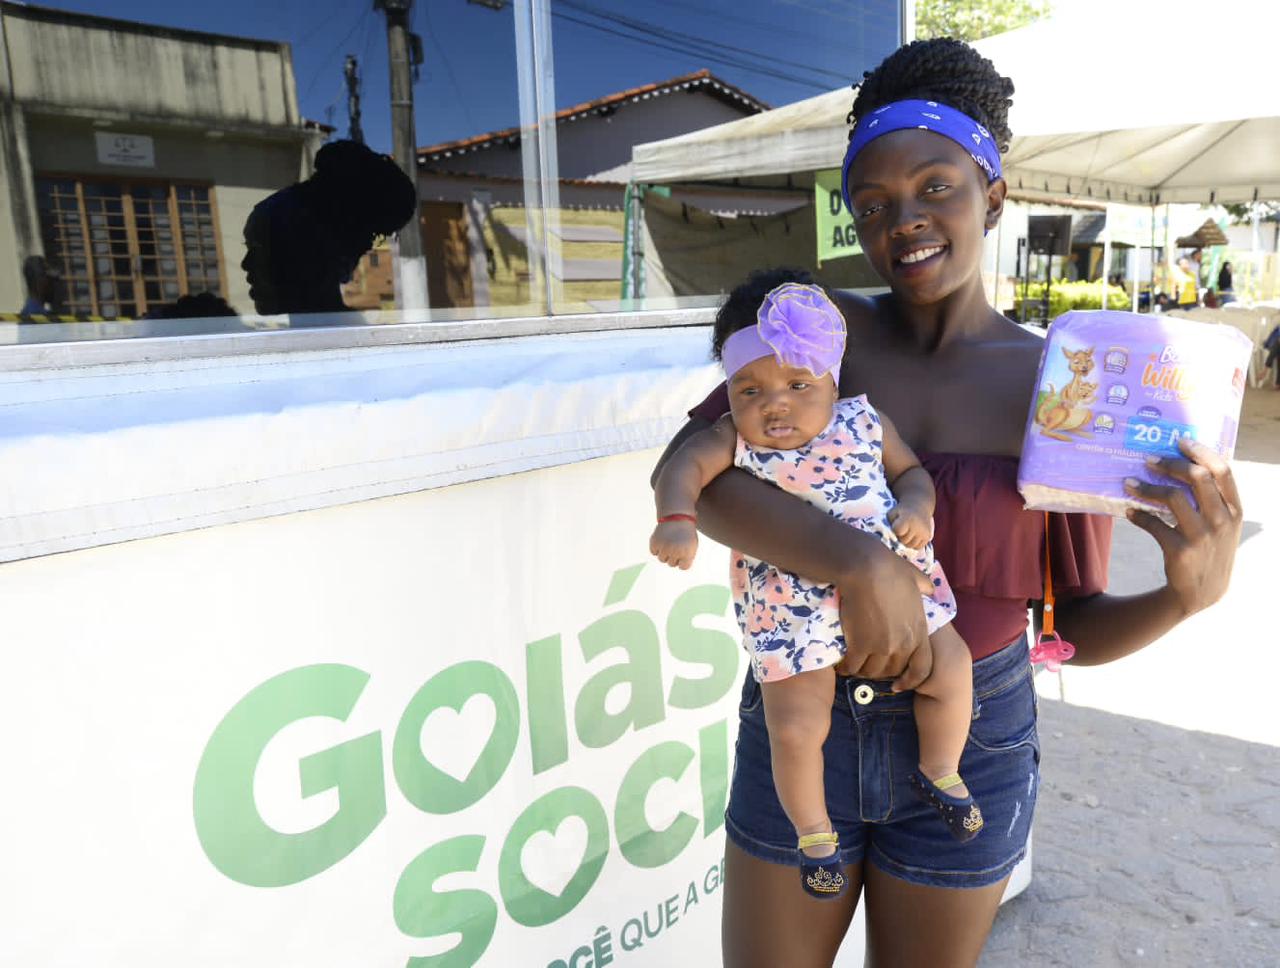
(341, 88)
(685, 7)
(821, 10)
(689, 52)
(814, 85)
(368, 39)
(321, 23)
(364, 13)
(444, 58)
(704, 45)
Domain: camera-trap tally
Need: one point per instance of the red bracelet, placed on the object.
(692, 519)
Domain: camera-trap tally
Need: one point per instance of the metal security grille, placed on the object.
(125, 248)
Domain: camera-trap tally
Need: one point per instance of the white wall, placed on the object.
(1242, 237)
(242, 172)
(215, 758)
(61, 60)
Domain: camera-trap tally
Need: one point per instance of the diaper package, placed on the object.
(1115, 388)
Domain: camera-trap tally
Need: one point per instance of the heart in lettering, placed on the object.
(549, 860)
(453, 739)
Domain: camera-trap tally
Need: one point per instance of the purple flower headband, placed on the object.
(928, 116)
(797, 324)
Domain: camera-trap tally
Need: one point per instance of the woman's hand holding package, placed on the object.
(1200, 551)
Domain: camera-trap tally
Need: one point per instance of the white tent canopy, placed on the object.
(1175, 102)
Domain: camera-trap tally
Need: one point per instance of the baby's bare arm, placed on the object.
(911, 484)
(702, 458)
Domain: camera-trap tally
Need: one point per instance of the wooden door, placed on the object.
(448, 254)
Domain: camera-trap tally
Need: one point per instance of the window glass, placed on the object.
(136, 261)
(189, 160)
(678, 170)
(154, 141)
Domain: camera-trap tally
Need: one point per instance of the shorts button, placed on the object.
(863, 694)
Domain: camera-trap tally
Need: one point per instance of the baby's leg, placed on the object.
(944, 707)
(797, 712)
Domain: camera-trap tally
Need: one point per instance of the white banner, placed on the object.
(472, 725)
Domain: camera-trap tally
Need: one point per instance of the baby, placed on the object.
(788, 426)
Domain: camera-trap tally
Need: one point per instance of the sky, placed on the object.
(776, 50)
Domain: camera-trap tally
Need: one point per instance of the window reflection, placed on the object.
(667, 73)
(135, 261)
(142, 148)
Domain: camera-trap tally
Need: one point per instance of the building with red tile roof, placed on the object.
(595, 137)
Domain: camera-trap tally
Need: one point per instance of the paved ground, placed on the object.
(1153, 845)
(1157, 838)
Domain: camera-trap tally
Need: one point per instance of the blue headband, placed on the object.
(930, 116)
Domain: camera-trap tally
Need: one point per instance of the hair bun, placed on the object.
(361, 191)
(942, 69)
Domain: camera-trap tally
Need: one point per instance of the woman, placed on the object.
(957, 378)
(304, 242)
(1188, 284)
(1226, 284)
(1272, 345)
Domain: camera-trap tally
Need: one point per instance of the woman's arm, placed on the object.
(1108, 627)
(1198, 556)
(879, 592)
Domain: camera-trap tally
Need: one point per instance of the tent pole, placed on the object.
(1134, 256)
(1106, 256)
(1151, 302)
(628, 235)
(1131, 270)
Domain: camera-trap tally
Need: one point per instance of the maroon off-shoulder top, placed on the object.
(990, 547)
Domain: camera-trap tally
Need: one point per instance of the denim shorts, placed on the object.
(870, 753)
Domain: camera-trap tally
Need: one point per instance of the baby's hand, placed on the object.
(675, 543)
(913, 527)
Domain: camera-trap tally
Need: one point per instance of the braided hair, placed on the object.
(305, 240)
(944, 70)
(357, 194)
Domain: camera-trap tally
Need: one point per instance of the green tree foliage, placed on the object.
(1242, 212)
(975, 19)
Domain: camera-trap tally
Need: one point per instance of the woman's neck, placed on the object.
(958, 317)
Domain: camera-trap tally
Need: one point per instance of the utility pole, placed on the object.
(352, 71)
(402, 46)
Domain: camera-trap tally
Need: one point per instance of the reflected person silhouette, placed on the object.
(201, 305)
(304, 241)
(44, 287)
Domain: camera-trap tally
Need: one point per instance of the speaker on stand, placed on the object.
(1047, 235)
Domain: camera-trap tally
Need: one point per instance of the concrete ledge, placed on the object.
(59, 346)
(102, 443)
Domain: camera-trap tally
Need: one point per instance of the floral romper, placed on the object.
(789, 624)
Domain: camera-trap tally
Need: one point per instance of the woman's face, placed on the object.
(921, 207)
(287, 267)
(257, 266)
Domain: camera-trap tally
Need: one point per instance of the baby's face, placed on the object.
(780, 407)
